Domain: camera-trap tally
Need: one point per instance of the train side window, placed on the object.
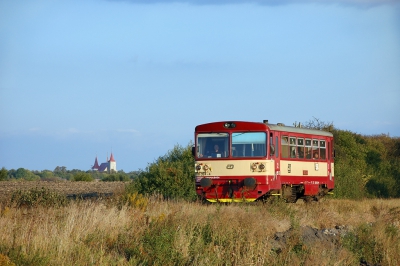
(277, 147)
(308, 149)
(300, 148)
(285, 146)
(322, 145)
(292, 148)
(315, 149)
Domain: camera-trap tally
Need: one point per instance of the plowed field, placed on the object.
(62, 187)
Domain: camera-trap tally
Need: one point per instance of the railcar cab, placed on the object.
(232, 140)
(246, 161)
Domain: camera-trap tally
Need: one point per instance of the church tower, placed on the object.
(112, 164)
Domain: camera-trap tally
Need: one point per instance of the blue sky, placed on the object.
(80, 79)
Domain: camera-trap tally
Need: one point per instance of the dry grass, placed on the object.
(181, 233)
(7, 188)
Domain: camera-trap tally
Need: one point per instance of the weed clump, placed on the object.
(137, 201)
(5, 260)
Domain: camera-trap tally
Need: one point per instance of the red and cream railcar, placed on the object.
(248, 161)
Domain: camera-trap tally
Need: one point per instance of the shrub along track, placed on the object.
(67, 188)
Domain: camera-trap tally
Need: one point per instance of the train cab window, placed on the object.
(249, 144)
(285, 146)
(322, 145)
(308, 149)
(292, 147)
(212, 145)
(300, 148)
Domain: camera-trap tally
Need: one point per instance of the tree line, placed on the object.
(61, 173)
(365, 167)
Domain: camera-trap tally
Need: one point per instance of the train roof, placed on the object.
(302, 130)
(242, 125)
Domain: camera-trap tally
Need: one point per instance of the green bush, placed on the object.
(366, 166)
(170, 176)
(81, 176)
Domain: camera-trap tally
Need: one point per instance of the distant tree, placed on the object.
(11, 173)
(74, 171)
(3, 174)
(61, 171)
(25, 174)
(46, 174)
(316, 123)
(22, 173)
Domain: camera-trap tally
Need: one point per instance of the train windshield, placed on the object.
(243, 144)
(249, 144)
(213, 145)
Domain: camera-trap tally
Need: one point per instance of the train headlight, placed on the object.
(254, 166)
(229, 125)
(262, 167)
(198, 167)
(206, 167)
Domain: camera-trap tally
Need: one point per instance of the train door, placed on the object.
(330, 159)
(275, 154)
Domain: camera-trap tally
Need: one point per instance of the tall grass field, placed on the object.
(136, 230)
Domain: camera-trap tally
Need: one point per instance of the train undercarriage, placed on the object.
(249, 191)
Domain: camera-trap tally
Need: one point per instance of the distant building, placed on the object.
(107, 167)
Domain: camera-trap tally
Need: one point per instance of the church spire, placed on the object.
(96, 165)
(112, 158)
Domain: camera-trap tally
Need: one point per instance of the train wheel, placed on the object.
(293, 197)
(289, 194)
